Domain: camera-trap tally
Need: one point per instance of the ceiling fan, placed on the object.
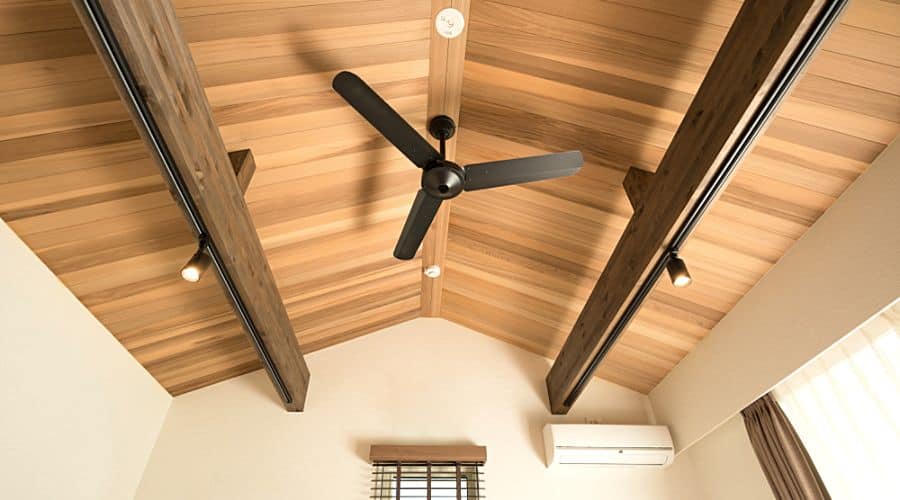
(442, 179)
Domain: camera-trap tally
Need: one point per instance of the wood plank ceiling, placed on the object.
(612, 78)
(328, 198)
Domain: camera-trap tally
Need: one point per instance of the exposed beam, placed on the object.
(760, 58)
(636, 183)
(445, 74)
(244, 167)
(141, 46)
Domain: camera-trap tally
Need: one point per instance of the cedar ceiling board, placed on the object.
(615, 79)
(328, 197)
(445, 78)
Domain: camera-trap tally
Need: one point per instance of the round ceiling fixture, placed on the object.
(432, 271)
(449, 23)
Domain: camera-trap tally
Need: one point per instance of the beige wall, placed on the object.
(725, 465)
(845, 269)
(78, 415)
(425, 381)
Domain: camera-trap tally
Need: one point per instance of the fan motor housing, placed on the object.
(444, 180)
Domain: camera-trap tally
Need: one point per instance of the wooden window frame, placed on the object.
(461, 456)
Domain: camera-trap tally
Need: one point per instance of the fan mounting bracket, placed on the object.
(442, 127)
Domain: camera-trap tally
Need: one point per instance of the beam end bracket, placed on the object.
(244, 167)
(636, 184)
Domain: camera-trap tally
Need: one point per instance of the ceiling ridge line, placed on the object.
(444, 98)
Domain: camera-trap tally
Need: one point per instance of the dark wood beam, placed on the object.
(636, 183)
(145, 37)
(244, 167)
(757, 49)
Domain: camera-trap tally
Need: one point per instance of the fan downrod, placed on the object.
(443, 179)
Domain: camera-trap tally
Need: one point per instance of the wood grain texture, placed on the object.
(158, 57)
(379, 453)
(612, 78)
(244, 167)
(636, 184)
(445, 77)
(752, 55)
(328, 196)
(615, 79)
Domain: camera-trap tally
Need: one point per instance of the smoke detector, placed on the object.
(432, 271)
(449, 23)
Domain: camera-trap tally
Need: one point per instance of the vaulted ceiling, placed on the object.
(615, 79)
(612, 78)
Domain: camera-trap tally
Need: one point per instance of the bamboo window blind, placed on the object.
(427, 472)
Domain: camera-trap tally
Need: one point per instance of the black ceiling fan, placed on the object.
(442, 179)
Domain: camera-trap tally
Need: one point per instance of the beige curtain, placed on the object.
(845, 406)
(783, 458)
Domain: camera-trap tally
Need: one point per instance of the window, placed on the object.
(427, 472)
(845, 406)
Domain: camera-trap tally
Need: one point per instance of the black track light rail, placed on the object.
(789, 74)
(150, 129)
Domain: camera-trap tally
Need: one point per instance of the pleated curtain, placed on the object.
(845, 409)
(784, 460)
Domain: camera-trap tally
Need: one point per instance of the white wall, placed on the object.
(844, 270)
(427, 381)
(725, 465)
(78, 415)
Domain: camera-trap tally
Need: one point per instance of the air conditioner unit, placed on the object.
(615, 445)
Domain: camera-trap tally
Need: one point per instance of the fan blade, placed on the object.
(383, 117)
(420, 216)
(522, 170)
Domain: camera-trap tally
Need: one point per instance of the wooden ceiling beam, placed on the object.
(758, 48)
(445, 76)
(143, 49)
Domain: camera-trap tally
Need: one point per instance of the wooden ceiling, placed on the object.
(329, 196)
(615, 79)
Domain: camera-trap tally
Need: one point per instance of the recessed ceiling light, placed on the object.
(449, 23)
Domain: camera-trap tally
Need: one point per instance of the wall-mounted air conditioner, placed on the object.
(617, 445)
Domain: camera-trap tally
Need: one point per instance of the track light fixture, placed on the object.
(678, 272)
(199, 263)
